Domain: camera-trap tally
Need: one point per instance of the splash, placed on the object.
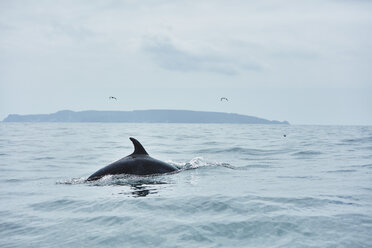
(80, 180)
(199, 162)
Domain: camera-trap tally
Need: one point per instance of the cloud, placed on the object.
(242, 45)
(168, 56)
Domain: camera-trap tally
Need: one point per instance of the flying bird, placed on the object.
(113, 98)
(224, 98)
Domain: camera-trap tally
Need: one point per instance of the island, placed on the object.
(142, 116)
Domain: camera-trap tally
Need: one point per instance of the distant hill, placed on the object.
(141, 116)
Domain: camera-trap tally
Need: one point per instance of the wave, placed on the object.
(307, 153)
(302, 203)
(244, 151)
(60, 204)
(367, 139)
(44, 158)
(341, 171)
(109, 220)
(367, 166)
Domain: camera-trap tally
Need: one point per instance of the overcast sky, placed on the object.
(304, 61)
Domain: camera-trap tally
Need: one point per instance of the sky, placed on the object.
(304, 61)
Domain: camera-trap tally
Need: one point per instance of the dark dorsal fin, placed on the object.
(138, 148)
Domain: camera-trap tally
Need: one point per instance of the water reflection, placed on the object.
(135, 186)
(138, 186)
(141, 190)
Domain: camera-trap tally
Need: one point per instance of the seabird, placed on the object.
(112, 97)
(224, 98)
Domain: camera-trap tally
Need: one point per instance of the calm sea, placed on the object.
(239, 186)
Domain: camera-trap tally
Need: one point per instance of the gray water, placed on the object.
(239, 186)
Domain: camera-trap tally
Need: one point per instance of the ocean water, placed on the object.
(239, 186)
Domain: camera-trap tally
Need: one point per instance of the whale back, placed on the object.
(137, 163)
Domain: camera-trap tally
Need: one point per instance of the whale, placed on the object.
(138, 163)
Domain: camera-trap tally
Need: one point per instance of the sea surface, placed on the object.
(238, 186)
